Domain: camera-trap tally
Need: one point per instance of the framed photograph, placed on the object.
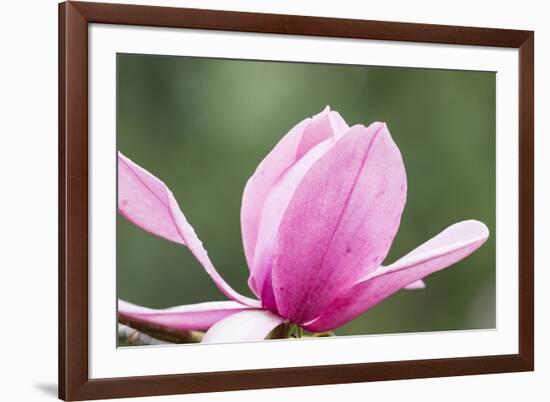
(259, 200)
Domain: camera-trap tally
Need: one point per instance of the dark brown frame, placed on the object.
(74, 17)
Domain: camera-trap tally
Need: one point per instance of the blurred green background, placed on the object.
(202, 125)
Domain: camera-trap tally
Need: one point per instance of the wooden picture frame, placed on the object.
(74, 18)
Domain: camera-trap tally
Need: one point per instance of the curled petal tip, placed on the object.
(420, 284)
(380, 125)
(478, 226)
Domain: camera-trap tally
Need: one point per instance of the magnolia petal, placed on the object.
(259, 185)
(182, 318)
(149, 204)
(339, 223)
(447, 248)
(253, 325)
(274, 209)
(296, 143)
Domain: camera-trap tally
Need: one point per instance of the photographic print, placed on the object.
(252, 200)
(264, 200)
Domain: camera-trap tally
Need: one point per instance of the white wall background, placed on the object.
(28, 199)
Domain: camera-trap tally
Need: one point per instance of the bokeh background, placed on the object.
(202, 125)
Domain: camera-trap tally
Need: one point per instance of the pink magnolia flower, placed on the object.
(318, 218)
